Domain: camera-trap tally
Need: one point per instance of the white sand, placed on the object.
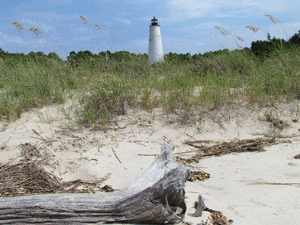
(82, 153)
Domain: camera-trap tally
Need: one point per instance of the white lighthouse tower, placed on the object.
(155, 44)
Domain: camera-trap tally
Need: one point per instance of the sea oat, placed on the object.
(35, 30)
(224, 32)
(218, 28)
(252, 28)
(85, 21)
(98, 26)
(19, 27)
(273, 19)
(239, 38)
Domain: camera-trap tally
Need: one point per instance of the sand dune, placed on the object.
(249, 188)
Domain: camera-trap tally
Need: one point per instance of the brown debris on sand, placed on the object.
(215, 218)
(198, 175)
(26, 178)
(297, 156)
(29, 177)
(203, 149)
(218, 218)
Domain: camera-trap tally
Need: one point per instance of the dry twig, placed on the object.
(275, 183)
(116, 155)
(221, 148)
(28, 177)
(34, 131)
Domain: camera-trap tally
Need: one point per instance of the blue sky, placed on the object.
(187, 26)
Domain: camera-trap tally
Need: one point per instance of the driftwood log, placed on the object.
(156, 197)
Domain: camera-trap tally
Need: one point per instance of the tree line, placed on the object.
(266, 48)
(258, 48)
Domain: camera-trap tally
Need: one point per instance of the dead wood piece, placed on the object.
(199, 206)
(156, 197)
(215, 218)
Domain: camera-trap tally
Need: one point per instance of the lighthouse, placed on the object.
(155, 53)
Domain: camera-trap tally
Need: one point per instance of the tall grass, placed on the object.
(28, 83)
(178, 86)
(104, 99)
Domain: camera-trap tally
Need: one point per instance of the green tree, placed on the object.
(54, 56)
(295, 39)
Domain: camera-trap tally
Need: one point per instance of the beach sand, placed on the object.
(249, 188)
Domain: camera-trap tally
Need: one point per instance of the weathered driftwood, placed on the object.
(216, 217)
(199, 206)
(156, 197)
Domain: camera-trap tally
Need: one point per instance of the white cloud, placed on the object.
(124, 21)
(38, 24)
(50, 16)
(186, 9)
(7, 39)
(181, 10)
(60, 2)
(270, 6)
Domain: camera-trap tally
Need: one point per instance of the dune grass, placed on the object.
(207, 83)
(106, 84)
(25, 84)
(178, 86)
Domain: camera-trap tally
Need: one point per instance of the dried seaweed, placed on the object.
(217, 218)
(198, 175)
(203, 149)
(26, 178)
(29, 177)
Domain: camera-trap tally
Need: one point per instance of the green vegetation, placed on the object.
(266, 48)
(106, 84)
